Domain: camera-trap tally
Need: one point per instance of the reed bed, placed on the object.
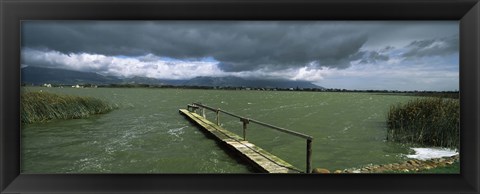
(44, 106)
(426, 121)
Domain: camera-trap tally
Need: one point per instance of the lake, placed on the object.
(146, 134)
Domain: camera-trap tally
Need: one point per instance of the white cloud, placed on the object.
(395, 73)
(155, 67)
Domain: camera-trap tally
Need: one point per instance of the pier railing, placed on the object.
(194, 106)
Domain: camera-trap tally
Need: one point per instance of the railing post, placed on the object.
(218, 117)
(245, 122)
(309, 156)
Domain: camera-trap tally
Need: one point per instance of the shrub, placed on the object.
(43, 106)
(426, 121)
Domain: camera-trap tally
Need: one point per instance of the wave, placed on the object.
(429, 153)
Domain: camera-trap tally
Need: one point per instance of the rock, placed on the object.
(430, 163)
(380, 169)
(320, 171)
(402, 166)
(405, 166)
(412, 162)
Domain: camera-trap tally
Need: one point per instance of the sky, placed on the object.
(378, 55)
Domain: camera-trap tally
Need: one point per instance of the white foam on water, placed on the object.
(176, 131)
(429, 153)
(347, 127)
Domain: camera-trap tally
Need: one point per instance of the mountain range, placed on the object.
(40, 75)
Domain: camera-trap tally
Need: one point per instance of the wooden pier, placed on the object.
(259, 158)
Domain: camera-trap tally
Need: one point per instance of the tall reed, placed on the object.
(43, 106)
(426, 121)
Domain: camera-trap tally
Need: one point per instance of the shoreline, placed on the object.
(412, 165)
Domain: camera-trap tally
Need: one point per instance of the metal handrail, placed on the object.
(246, 121)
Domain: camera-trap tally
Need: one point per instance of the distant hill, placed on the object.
(231, 81)
(142, 80)
(40, 75)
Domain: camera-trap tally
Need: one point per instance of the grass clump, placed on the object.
(426, 121)
(43, 106)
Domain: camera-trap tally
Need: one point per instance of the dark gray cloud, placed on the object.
(432, 47)
(371, 57)
(237, 45)
(400, 33)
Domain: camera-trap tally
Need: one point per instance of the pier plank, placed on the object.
(259, 158)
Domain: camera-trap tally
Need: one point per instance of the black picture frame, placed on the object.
(12, 12)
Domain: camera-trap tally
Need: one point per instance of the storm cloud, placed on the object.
(238, 46)
(433, 47)
(297, 50)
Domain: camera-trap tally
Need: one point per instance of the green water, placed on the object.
(148, 135)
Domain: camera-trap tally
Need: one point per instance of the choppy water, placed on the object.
(148, 135)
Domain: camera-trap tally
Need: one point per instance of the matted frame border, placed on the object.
(12, 12)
